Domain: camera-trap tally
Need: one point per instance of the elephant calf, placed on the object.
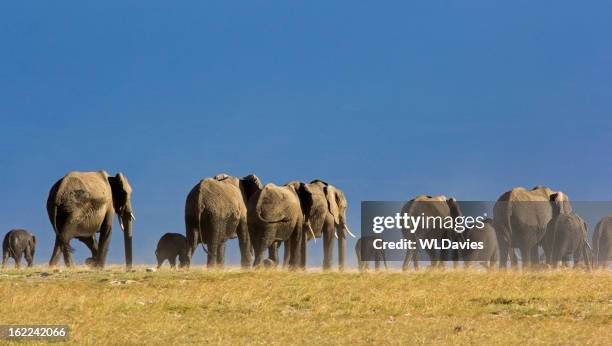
(365, 251)
(17, 243)
(488, 256)
(170, 246)
(566, 234)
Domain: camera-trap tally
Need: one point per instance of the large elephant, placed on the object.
(82, 204)
(215, 211)
(327, 218)
(17, 243)
(520, 219)
(602, 242)
(434, 207)
(276, 214)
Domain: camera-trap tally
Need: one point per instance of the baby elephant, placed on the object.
(365, 251)
(566, 235)
(169, 246)
(488, 256)
(17, 243)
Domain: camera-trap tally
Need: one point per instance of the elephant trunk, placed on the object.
(126, 223)
(341, 246)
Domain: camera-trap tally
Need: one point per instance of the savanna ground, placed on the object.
(280, 307)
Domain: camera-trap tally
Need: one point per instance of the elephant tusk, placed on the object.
(349, 232)
(132, 216)
(336, 234)
(121, 225)
(312, 232)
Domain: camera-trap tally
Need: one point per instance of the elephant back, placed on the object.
(276, 203)
(83, 189)
(217, 197)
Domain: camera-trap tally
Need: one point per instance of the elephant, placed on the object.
(566, 234)
(215, 211)
(82, 204)
(602, 242)
(17, 243)
(435, 207)
(488, 256)
(520, 219)
(365, 251)
(170, 246)
(280, 213)
(327, 218)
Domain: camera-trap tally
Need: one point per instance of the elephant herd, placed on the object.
(523, 219)
(82, 204)
(262, 217)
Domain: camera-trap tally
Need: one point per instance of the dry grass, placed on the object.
(263, 307)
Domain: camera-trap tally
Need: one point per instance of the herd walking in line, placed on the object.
(82, 205)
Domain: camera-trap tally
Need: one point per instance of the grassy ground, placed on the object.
(278, 307)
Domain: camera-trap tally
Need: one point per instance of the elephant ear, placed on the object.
(249, 185)
(453, 205)
(332, 203)
(33, 240)
(560, 203)
(305, 196)
(121, 190)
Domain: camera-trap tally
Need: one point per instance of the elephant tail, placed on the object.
(53, 216)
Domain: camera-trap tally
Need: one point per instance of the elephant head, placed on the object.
(337, 205)
(122, 193)
(248, 185)
(305, 196)
(560, 203)
(453, 205)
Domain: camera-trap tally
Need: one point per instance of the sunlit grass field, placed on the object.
(281, 307)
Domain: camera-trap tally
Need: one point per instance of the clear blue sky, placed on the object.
(386, 100)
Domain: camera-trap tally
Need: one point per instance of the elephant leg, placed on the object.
(286, 253)
(18, 256)
(296, 253)
(273, 251)
(193, 238)
(525, 256)
(565, 261)
(105, 236)
(328, 246)
(28, 256)
(160, 261)
(406, 264)
(503, 255)
(221, 255)
(535, 257)
(57, 250)
(304, 248)
(5, 256)
(66, 250)
(244, 242)
(211, 261)
(172, 261)
(377, 259)
(91, 243)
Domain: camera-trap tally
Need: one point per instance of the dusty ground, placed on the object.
(279, 307)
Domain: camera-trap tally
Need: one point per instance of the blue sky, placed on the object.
(385, 100)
